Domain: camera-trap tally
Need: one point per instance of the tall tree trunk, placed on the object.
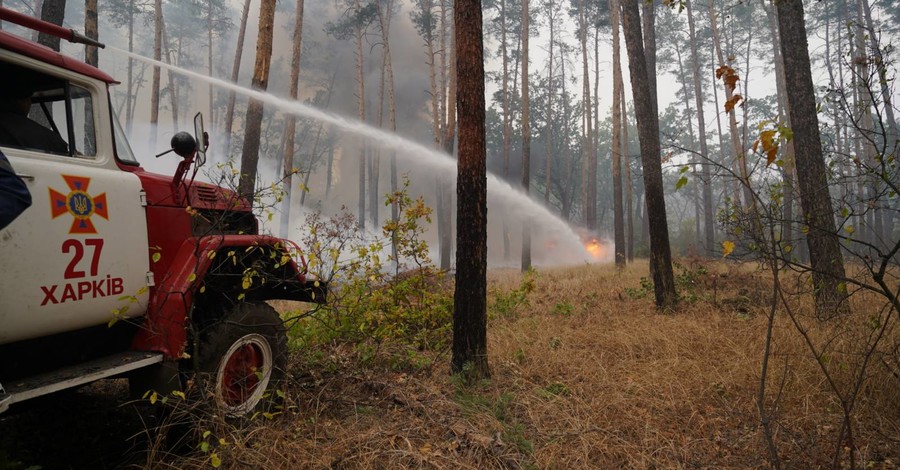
(507, 119)
(708, 221)
(588, 188)
(626, 163)
(235, 74)
(648, 133)
(392, 108)
(893, 134)
(470, 297)
(449, 140)
(287, 165)
(52, 11)
(526, 137)
(361, 115)
(90, 30)
(740, 164)
(689, 113)
(250, 153)
(209, 55)
(315, 150)
(788, 236)
(649, 33)
(889, 128)
(129, 108)
(548, 130)
(173, 90)
(154, 88)
(824, 247)
(616, 149)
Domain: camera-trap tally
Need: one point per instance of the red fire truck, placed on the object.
(118, 272)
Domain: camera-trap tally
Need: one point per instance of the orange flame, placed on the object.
(596, 249)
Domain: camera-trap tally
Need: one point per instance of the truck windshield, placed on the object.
(123, 150)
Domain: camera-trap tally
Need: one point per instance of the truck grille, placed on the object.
(213, 222)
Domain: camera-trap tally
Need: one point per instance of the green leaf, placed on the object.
(156, 257)
(681, 182)
(192, 277)
(215, 461)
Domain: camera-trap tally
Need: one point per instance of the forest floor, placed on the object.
(586, 373)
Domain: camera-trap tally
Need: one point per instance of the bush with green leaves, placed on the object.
(384, 292)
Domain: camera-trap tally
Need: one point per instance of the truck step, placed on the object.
(80, 374)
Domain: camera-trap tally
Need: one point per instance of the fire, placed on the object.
(596, 249)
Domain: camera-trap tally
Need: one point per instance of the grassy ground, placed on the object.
(586, 373)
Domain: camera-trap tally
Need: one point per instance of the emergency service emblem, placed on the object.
(79, 204)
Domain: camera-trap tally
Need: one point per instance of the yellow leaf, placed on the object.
(727, 248)
(153, 398)
(215, 461)
(141, 290)
(192, 277)
(179, 394)
(156, 257)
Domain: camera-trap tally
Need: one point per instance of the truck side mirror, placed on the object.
(184, 144)
(201, 137)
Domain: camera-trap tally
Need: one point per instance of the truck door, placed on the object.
(78, 256)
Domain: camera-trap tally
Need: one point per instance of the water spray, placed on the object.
(496, 187)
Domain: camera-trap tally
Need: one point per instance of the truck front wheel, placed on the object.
(242, 359)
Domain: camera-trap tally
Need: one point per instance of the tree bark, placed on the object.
(616, 149)
(526, 138)
(235, 74)
(129, 108)
(287, 165)
(626, 164)
(469, 352)
(250, 153)
(548, 131)
(52, 11)
(648, 133)
(708, 220)
(90, 30)
(361, 115)
(589, 162)
(449, 137)
(815, 201)
(154, 88)
(507, 119)
(736, 145)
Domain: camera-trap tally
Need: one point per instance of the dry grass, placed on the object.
(585, 376)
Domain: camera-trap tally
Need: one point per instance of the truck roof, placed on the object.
(45, 54)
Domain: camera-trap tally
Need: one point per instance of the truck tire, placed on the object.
(242, 359)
